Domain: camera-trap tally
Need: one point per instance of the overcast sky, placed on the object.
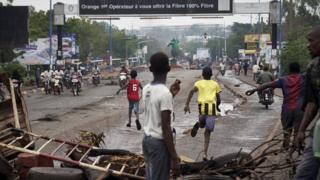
(134, 23)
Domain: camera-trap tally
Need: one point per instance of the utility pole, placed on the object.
(225, 39)
(50, 34)
(280, 39)
(59, 22)
(110, 44)
(259, 31)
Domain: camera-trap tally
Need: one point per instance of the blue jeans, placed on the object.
(309, 166)
(157, 159)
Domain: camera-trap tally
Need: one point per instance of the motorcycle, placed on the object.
(96, 79)
(66, 81)
(265, 96)
(123, 78)
(57, 85)
(75, 85)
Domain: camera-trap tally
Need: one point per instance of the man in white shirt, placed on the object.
(222, 68)
(158, 147)
(255, 71)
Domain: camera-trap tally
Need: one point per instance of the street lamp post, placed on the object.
(50, 34)
(280, 37)
(110, 44)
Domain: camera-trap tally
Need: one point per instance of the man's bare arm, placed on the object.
(186, 108)
(309, 115)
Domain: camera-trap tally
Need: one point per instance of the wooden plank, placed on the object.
(14, 106)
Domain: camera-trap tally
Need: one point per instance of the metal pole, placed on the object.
(259, 31)
(110, 44)
(50, 34)
(280, 39)
(225, 39)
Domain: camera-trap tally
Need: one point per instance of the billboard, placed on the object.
(153, 8)
(13, 26)
(203, 53)
(252, 8)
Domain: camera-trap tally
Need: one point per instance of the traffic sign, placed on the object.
(140, 8)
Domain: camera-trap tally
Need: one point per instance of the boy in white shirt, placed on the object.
(158, 147)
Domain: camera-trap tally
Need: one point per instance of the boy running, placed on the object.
(133, 97)
(208, 103)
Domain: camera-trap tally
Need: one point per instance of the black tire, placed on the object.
(49, 173)
(267, 106)
(207, 177)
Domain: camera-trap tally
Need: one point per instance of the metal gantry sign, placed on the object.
(154, 7)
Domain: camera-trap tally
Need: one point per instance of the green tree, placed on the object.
(295, 50)
(38, 24)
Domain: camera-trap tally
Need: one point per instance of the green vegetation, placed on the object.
(300, 17)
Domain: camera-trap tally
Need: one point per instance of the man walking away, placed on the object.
(293, 94)
(309, 166)
(222, 68)
(133, 97)
(208, 102)
(245, 67)
(157, 145)
(255, 71)
(37, 76)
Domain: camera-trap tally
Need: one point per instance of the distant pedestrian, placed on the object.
(222, 68)
(38, 77)
(237, 68)
(255, 71)
(158, 148)
(133, 97)
(208, 103)
(245, 67)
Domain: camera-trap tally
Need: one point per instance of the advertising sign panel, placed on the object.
(152, 8)
(252, 8)
(203, 53)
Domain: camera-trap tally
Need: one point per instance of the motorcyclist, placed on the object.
(95, 74)
(78, 75)
(263, 78)
(123, 72)
(59, 74)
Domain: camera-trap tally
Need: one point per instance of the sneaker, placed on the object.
(195, 129)
(138, 125)
(129, 125)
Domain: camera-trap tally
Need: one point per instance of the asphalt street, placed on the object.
(98, 110)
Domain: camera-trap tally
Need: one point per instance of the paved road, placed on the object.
(245, 127)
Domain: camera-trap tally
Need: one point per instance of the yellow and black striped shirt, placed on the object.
(207, 91)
